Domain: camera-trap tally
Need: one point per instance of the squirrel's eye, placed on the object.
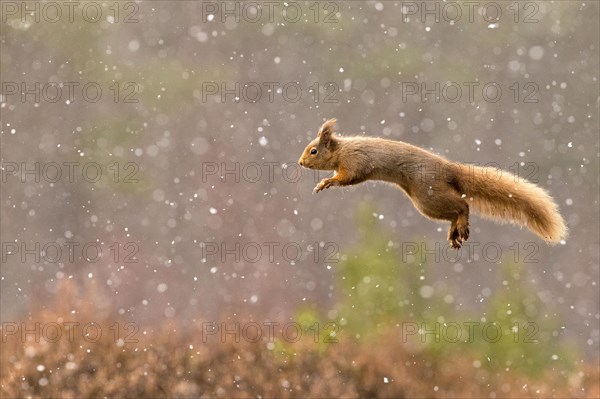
(313, 151)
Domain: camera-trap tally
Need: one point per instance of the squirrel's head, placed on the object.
(321, 152)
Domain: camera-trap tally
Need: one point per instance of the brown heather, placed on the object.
(172, 362)
(163, 364)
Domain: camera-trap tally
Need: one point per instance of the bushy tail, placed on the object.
(499, 195)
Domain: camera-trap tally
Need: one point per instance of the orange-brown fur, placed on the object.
(438, 188)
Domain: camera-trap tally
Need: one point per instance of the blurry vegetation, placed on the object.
(168, 361)
(530, 338)
(378, 293)
(376, 289)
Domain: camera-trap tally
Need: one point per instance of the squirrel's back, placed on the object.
(387, 160)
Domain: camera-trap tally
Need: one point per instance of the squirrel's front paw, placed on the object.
(325, 183)
(318, 187)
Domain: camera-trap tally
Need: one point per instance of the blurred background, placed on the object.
(149, 176)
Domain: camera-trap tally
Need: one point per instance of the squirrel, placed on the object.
(438, 188)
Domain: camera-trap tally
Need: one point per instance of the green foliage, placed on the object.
(377, 289)
(528, 341)
(378, 292)
(318, 335)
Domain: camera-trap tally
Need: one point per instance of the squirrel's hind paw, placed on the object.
(458, 234)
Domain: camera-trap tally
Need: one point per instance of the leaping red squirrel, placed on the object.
(438, 188)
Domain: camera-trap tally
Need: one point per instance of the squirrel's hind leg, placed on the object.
(459, 230)
(445, 205)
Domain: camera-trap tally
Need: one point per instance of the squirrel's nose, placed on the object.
(300, 162)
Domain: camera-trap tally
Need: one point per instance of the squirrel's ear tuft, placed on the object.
(327, 128)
